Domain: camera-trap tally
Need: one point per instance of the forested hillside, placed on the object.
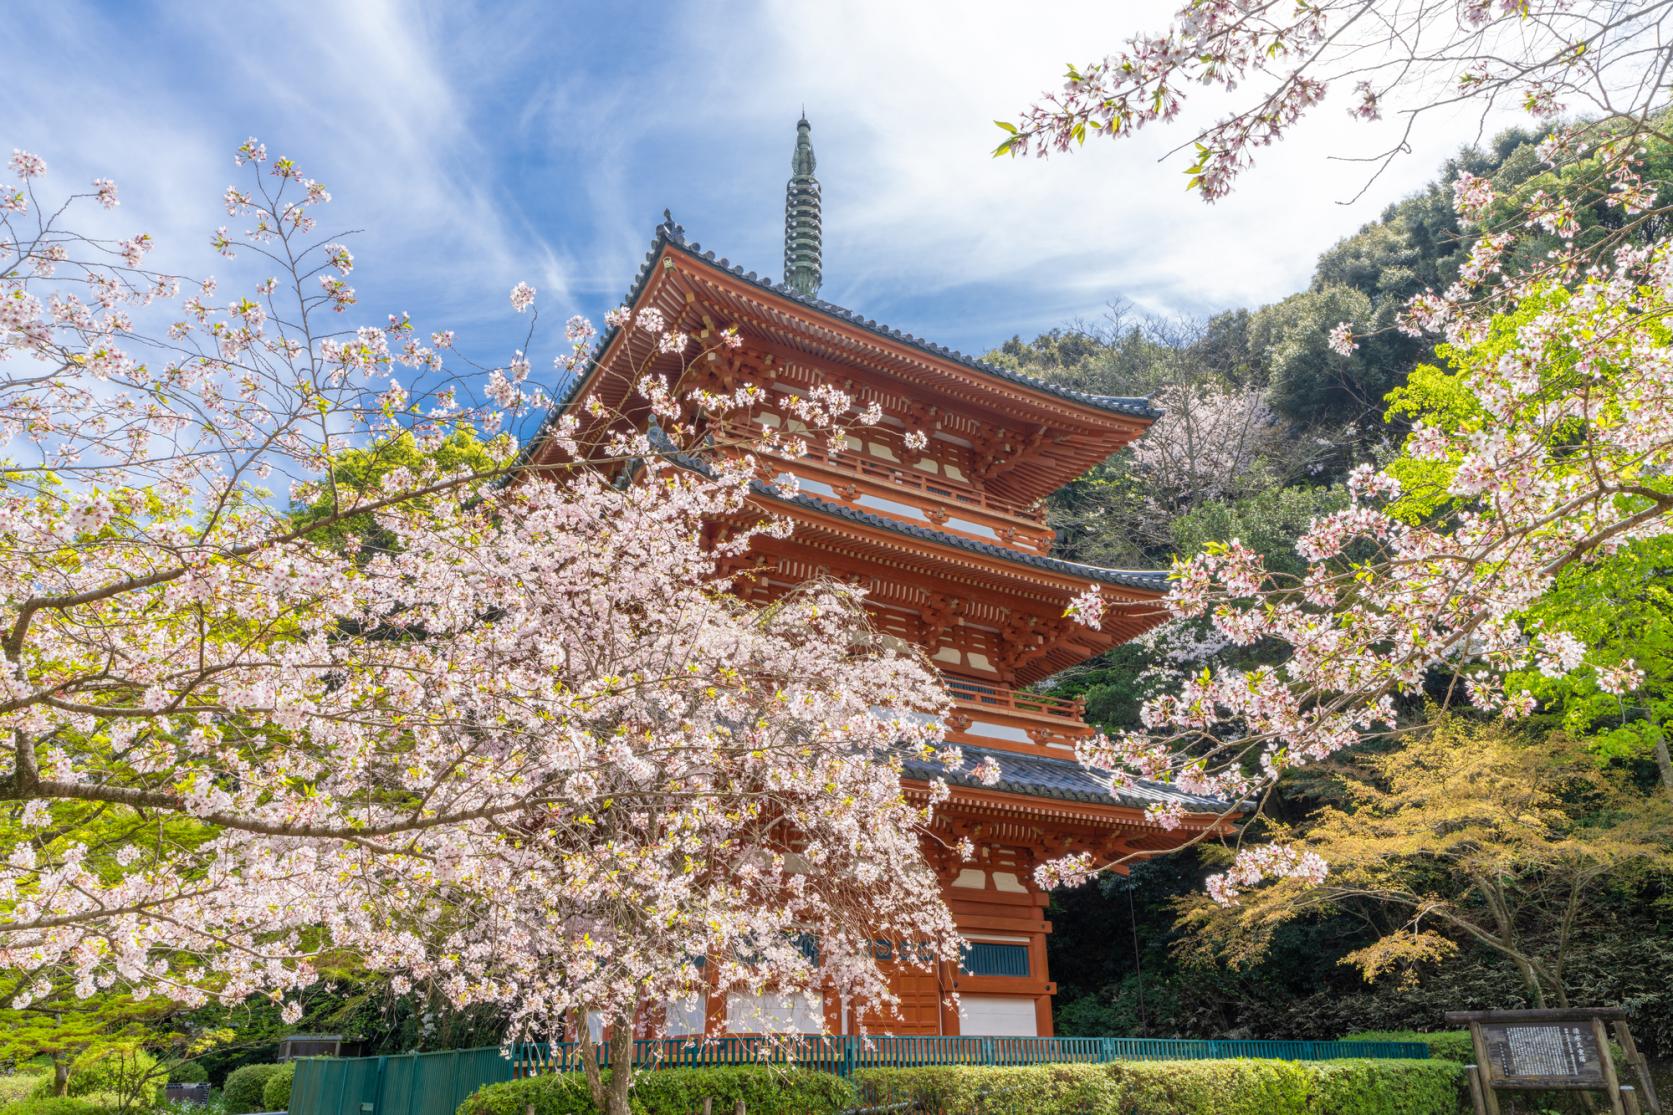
(1473, 865)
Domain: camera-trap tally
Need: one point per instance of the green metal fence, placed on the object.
(437, 1083)
(408, 1084)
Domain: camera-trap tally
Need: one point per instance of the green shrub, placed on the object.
(242, 1091)
(557, 1093)
(188, 1072)
(275, 1094)
(22, 1085)
(1388, 1087)
(120, 1070)
(1447, 1045)
(765, 1090)
(964, 1090)
(1228, 1087)
(54, 1105)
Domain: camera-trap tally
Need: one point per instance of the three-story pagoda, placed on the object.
(951, 544)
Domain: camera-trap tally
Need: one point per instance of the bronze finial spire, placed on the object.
(801, 216)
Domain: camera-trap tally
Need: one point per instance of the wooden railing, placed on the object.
(968, 692)
(900, 475)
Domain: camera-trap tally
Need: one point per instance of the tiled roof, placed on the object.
(1061, 779)
(669, 233)
(1154, 580)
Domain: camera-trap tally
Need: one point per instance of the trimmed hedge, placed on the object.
(968, 1090)
(765, 1090)
(1228, 1087)
(1390, 1087)
(188, 1072)
(242, 1091)
(555, 1093)
(275, 1094)
(1446, 1045)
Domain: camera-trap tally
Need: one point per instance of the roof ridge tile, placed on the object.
(671, 234)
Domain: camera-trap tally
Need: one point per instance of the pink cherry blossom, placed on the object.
(490, 722)
(27, 165)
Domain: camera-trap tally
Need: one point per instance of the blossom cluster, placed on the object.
(301, 656)
(1565, 459)
(1277, 63)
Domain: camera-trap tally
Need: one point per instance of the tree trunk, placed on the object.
(60, 1075)
(621, 1066)
(1500, 909)
(1664, 763)
(589, 1061)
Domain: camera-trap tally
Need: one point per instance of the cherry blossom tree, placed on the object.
(301, 657)
(1207, 444)
(1593, 73)
(1550, 446)
(1553, 445)
(1277, 63)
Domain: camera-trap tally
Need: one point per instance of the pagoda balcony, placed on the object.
(989, 715)
(900, 492)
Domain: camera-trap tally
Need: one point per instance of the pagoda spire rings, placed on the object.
(803, 236)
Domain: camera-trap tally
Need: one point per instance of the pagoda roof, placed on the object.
(671, 235)
(1036, 776)
(1150, 580)
(1146, 580)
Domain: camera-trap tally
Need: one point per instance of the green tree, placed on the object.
(108, 1043)
(1466, 836)
(1621, 606)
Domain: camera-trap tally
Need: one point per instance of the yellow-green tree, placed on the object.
(1468, 835)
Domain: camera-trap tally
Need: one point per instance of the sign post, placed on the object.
(1551, 1049)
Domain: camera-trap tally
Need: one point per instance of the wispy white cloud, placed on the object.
(483, 144)
(903, 98)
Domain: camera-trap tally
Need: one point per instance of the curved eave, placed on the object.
(1148, 581)
(670, 239)
(1027, 778)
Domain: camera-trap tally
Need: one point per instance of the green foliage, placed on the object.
(765, 1090)
(1309, 382)
(556, 1093)
(1444, 1045)
(969, 1090)
(355, 475)
(1267, 522)
(1621, 607)
(22, 1085)
(242, 1091)
(769, 1090)
(1388, 1087)
(121, 1069)
(64, 1027)
(1230, 1087)
(1216, 1087)
(275, 1094)
(54, 1105)
(109, 1067)
(1465, 834)
(188, 1072)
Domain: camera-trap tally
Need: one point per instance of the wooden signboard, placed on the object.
(1543, 1055)
(1540, 1049)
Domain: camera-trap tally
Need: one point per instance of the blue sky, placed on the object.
(477, 145)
